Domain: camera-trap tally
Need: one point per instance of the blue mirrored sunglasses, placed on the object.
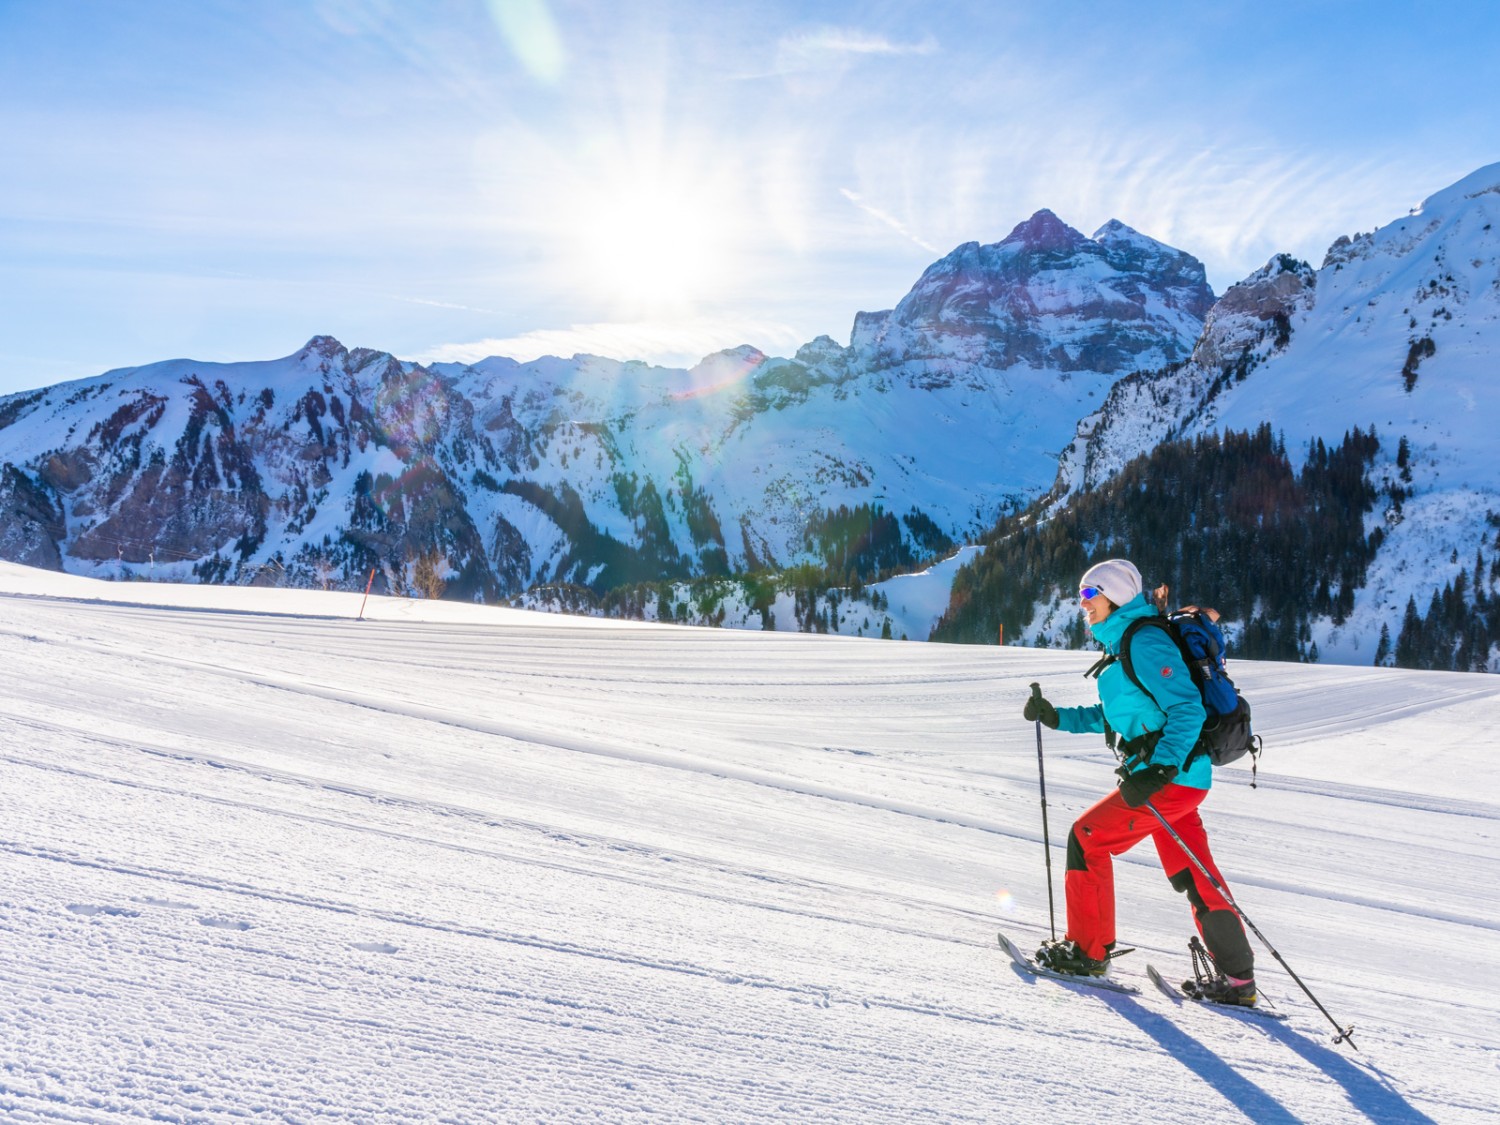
(1087, 592)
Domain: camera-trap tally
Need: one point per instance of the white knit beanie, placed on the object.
(1118, 578)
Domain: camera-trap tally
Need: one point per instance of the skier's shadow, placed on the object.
(1254, 1102)
(1373, 1097)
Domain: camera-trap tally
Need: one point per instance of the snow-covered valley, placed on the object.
(455, 863)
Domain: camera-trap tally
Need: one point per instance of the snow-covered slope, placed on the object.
(262, 862)
(1398, 330)
(498, 476)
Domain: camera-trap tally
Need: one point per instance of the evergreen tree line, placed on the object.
(866, 543)
(1459, 630)
(1224, 520)
(815, 608)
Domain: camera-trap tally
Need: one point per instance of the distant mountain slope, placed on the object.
(488, 479)
(1398, 332)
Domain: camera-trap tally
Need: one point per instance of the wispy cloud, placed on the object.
(669, 344)
(853, 41)
(888, 219)
(1232, 206)
(446, 305)
(823, 46)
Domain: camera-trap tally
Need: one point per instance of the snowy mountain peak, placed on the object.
(1483, 181)
(1048, 296)
(324, 347)
(722, 370)
(1044, 231)
(868, 327)
(1255, 311)
(1114, 231)
(1124, 239)
(1268, 291)
(821, 350)
(1455, 231)
(742, 356)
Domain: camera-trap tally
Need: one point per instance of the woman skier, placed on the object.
(1159, 728)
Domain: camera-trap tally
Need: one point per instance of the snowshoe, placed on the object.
(1068, 957)
(1210, 985)
(1025, 964)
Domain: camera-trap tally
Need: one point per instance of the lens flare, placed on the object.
(410, 409)
(532, 34)
(719, 373)
(1006, 900)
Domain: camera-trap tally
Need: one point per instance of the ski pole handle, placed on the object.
(1036, 691)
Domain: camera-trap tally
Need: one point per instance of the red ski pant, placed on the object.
(1111, 827)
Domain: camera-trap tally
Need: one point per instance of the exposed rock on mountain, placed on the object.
(31, 526)
(1048, 297)
(1250, 322)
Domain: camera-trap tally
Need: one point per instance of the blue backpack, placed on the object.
(1226, 736)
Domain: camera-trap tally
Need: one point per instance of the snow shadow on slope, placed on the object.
(1373, 1096)
(1254, 1102)
(1375, 1099)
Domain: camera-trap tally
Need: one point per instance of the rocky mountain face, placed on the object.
(1048, 298)
(1251, 321)
(489, 479)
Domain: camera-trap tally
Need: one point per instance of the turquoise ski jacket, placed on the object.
(1177, 709)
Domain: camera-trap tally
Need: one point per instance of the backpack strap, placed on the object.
(1201, 669)
(1156, 622)
(1130, 631)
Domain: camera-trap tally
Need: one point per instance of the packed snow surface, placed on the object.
(261, 861)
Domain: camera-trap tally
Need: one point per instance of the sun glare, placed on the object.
(654, 248)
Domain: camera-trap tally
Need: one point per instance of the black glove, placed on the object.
(1139, 787)
(1039, 708)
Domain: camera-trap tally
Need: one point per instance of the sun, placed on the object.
(655, 246)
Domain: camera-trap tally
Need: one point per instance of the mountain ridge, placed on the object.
(588, 470)
(1038, 365)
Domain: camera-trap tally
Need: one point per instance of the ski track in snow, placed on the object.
(284, 868)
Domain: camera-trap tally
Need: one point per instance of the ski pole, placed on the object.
(1344, 1033)
(1041, 773)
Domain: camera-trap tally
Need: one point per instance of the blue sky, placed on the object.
(455, 178)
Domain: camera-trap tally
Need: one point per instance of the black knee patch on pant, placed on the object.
(1076, 861)
(1183, 882)
(1227, 943)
